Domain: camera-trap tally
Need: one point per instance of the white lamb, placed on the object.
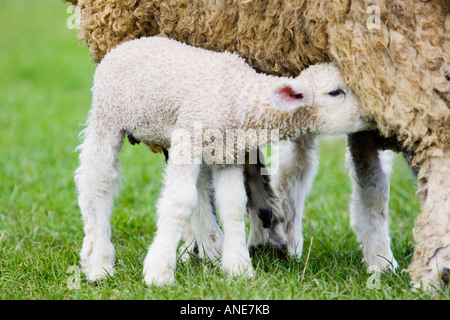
(169, 94)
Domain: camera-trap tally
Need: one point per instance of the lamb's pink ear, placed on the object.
(287, 99)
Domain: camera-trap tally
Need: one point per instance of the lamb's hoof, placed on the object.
(239, 270)
(381, 262)
(159, 279)
(97, 274)
(279, 248)
(158, 273)
(97, 259)
(255, 249)
(237, 263)
(273, 248)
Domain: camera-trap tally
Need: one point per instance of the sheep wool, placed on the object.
(394, 55)
(405, 58)
(158, 89)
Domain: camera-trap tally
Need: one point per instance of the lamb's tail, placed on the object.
(97, 180)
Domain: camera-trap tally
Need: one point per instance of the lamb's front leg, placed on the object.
(178, 199)
(232, 200)
(369, 173)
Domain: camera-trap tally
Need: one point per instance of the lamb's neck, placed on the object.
(261, 114)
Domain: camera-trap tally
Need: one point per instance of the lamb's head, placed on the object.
(321, 87)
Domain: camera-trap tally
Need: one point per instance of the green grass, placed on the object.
(45, 80)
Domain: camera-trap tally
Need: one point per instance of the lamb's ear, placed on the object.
(286, 98)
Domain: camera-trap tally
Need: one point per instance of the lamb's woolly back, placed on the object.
(151, 86)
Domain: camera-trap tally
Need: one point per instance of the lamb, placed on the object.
(169, 94)
(393, 54)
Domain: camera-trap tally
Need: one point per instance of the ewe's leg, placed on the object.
(203, 235)
(232, 200)
(431, 261)
(178, 199)
(97, 180)
(369, 170)
(297, 169)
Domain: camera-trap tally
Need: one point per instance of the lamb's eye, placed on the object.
(336, 92)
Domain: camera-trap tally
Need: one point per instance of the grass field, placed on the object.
(45, 80)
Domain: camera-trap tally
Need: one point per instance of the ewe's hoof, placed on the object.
(445, 276)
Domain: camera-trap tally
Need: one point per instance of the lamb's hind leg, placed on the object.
(178, 199)
(203, 235)
(369, 173)
(232, 200)
(97, 179)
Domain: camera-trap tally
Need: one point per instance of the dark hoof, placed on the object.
(279, 248)
(274, 248)
(445, 275)
(256, 249)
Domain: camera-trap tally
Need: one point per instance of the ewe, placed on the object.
(169, 94)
